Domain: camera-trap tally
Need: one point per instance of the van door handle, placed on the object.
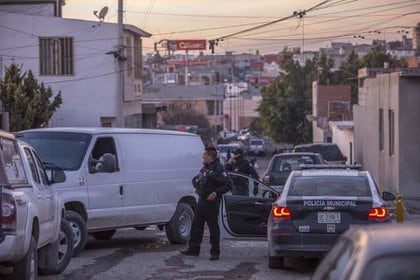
(121, 190)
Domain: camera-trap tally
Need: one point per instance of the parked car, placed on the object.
(281, 165)
(244, 134)
(258, 147)
(329, 151)
(383, 252)
(316, 206)
(121, 177)
(34, 236)
(225, 151)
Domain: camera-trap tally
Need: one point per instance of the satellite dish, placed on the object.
(102, 13)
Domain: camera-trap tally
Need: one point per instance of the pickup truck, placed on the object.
(34, 235)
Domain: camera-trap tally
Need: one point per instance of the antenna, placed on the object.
(102, 13)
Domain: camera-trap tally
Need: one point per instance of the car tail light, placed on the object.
(379, 214)
(8, 210)
(281, 213)
(266, 179)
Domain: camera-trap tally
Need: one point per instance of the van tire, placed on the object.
(103, 235)
(27, 267)
(178, 230)
(65, 245)
(79, 228)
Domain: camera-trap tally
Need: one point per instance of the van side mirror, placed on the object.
(106, 163)
(58, 176)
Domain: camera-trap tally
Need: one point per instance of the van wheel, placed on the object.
(79, 228)
(179, 228)
(65, 249)
(27, 267)
(103, 235)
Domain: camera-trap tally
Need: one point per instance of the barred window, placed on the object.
(56, 56)
(137, 58)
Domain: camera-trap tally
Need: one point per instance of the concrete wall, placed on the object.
(409, 136)
(398, 92)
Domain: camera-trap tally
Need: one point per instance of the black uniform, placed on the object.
(240, 185)
(212, 178)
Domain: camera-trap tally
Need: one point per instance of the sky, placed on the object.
(316, 24)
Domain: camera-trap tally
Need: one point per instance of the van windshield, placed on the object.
(65, 150)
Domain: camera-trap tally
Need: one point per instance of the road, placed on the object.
(138, 255)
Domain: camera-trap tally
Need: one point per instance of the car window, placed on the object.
(290, 163)
(329, 186)
(393, 267)
(248, 186)
(13, 164)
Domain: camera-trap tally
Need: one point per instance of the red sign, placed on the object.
(191, 44)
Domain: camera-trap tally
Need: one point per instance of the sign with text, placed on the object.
(190, 45)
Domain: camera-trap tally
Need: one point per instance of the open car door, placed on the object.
(245, 209)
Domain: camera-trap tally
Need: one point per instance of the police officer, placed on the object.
(210, 184)
(239, 164)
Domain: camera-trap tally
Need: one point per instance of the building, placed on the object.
(81, 59)
(329, 103)
(386, 129)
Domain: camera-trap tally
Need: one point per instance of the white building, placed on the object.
(81, 59)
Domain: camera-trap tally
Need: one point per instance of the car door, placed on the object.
(46, 200)
(245, 216)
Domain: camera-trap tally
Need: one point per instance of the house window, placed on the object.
(391, 119)
(129, 57)
(56, 56)
(381, 129)
(137, 58)
(189, 106)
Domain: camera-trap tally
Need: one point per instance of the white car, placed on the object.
(34, 236)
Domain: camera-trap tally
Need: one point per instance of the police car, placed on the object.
(317, 204)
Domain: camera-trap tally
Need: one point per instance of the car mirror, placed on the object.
(388, 196)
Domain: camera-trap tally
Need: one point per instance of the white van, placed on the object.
(122, 177)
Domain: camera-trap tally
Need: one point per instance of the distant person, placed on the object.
(275, 152)
(211, 183)
(239, 164)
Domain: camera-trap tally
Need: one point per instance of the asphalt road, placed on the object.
(147, 255)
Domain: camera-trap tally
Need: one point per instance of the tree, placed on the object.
(348, 72)
(177, 115)
(285, 103)
(29, 104)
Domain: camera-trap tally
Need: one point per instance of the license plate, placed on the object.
(329, 218)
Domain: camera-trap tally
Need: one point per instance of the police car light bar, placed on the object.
(330, 166)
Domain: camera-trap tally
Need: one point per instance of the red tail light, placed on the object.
(281, 213)
(8, 211)
(378, 214)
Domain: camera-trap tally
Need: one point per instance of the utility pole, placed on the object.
(120, 61)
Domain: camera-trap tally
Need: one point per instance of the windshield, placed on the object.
(59, 149)
(330, 186)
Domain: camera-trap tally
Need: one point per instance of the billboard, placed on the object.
(183, 45)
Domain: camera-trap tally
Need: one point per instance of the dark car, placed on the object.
(384, 252)
(281, 165)
(316, 206)
(329, 151)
